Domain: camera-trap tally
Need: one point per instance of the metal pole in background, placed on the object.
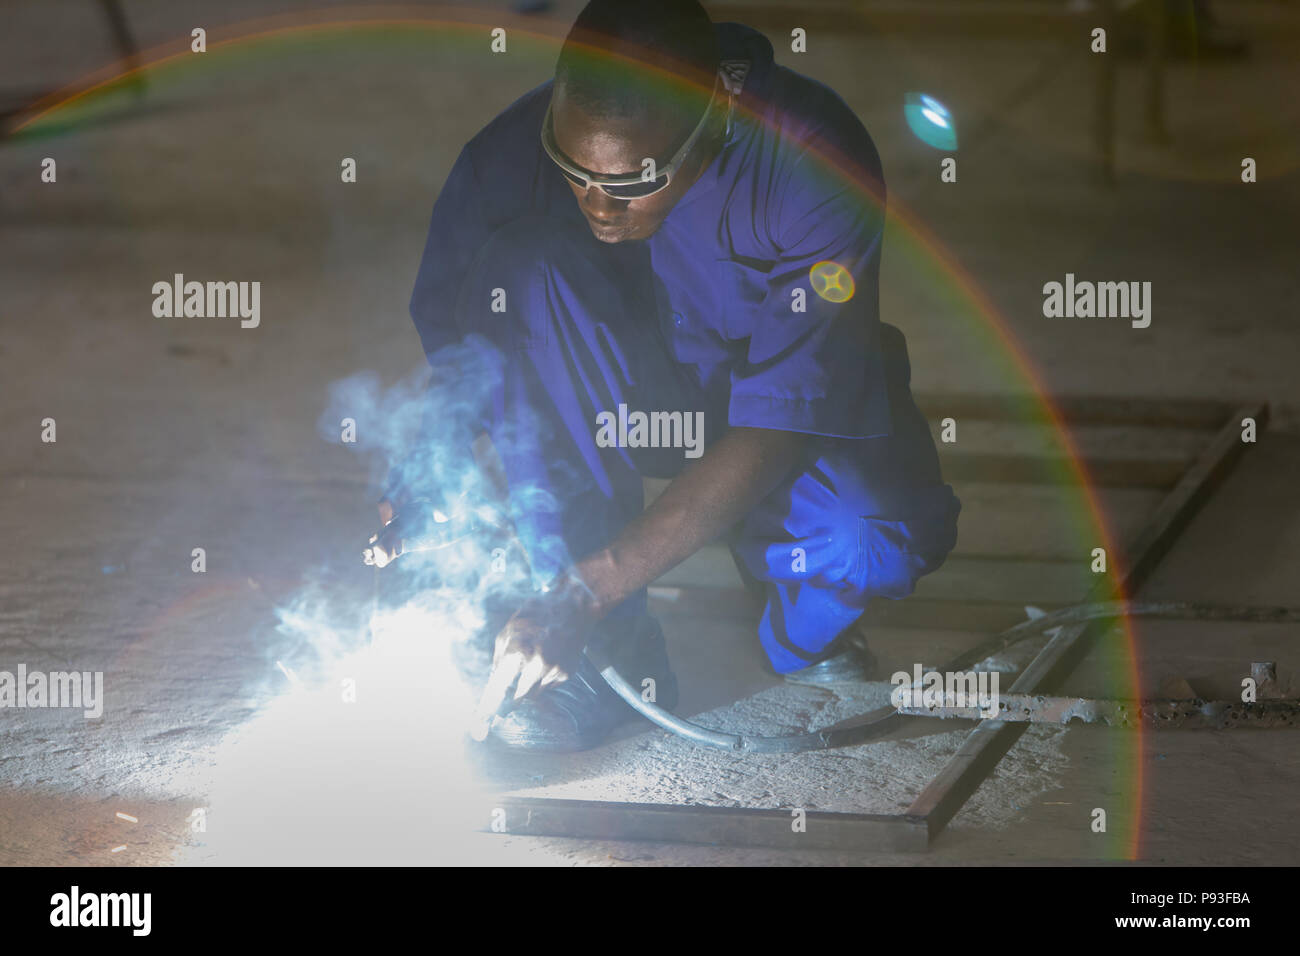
(1157, 17)
(126, 45)
(1104, 103)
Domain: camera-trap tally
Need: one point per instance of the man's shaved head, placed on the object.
(632, 81)
(632, 59)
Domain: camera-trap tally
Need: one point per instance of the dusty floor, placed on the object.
(196, 433)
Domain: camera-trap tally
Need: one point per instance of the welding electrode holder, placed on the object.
(421, 526)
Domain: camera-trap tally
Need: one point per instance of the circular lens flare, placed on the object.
(831, 281)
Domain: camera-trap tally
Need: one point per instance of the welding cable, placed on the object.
(857, 730)
(841, 735)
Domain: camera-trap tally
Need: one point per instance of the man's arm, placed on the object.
(729, 479)
(542, 643)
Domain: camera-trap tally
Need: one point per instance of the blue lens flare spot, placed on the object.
(930, 121)
(934, 118)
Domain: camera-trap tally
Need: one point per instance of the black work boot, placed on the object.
(847, 659)
(580, 713)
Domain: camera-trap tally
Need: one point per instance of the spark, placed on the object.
(288, 673)
(127, 817)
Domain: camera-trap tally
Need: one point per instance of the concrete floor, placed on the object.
(176, 434)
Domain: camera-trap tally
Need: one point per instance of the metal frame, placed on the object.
(723, 826)
(989, 742)
(991, 739)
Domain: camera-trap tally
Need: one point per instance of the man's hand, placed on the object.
(386, 543)
(388, 508)
(539, 646)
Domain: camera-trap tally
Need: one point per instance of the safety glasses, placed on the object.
(635, 185)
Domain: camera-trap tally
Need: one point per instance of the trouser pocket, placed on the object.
(894, 554)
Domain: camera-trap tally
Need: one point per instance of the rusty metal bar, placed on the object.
(1101, 610)
(1194, 714)
(988, 743)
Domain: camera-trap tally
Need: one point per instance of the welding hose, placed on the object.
(738, 743)
(872, 724)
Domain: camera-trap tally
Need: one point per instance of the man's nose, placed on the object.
(602, 205)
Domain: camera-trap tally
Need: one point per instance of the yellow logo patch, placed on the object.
(831, 281)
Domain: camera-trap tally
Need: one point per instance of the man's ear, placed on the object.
(734, 73)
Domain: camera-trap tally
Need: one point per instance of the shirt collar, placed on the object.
(736, 42)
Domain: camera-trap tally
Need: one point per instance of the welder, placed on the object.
(677, 224)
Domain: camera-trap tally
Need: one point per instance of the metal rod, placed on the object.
(1155, 99)
(1194, 714)
(1104, 104)
(672, 823)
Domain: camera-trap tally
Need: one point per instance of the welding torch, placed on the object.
(421, 526)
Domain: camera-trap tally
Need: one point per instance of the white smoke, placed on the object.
(360, 756)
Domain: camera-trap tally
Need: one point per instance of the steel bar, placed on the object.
(123, 39)
(1100, 610)
(1176, 510)
(1104, 102)
(989, 742)
(1059, 470)
(726, 826)
(1193, 714)
(1156, 17)
(1076, 410)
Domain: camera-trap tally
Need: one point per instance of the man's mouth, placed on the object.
(609, 229)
